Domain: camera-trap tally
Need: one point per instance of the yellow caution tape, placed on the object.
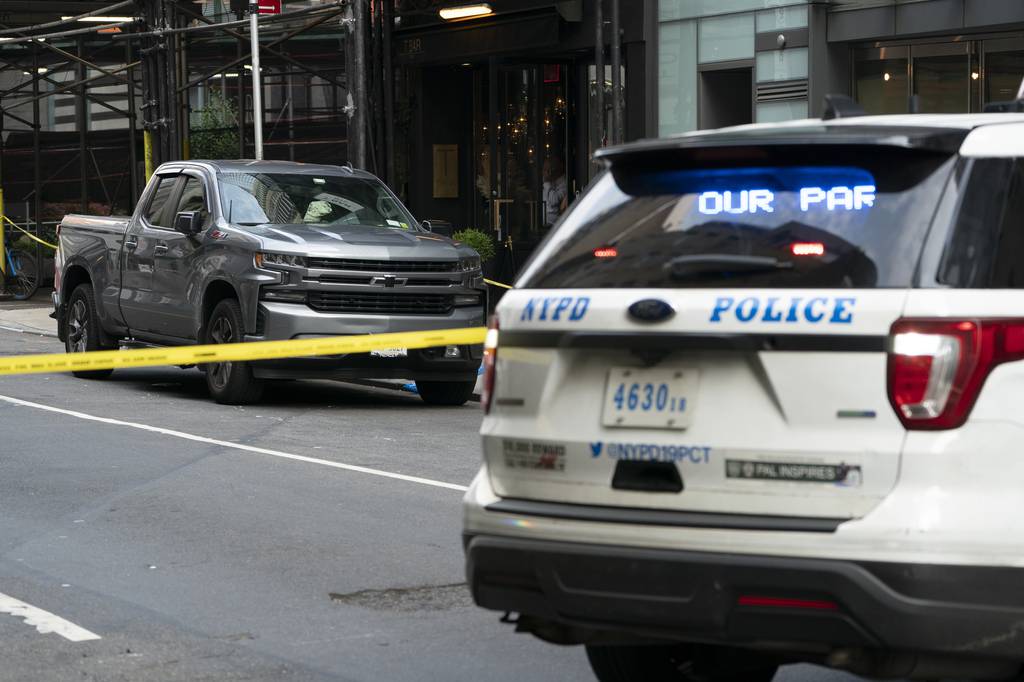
(497, 284)
(236, 352)
(28, 234)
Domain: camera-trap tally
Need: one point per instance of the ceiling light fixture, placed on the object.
(481, 9)
(102, 20)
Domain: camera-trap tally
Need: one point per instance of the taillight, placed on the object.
(490, 359)
(937, 367)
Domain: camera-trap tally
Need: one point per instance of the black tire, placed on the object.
(24, 283)
(82, 328)
(682, 663)
(230, 383)
(449, 393)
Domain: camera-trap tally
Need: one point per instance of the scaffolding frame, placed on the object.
(151, 63)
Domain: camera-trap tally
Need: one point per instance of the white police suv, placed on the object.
(759, 399)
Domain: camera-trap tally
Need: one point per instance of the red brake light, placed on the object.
(807, 249)
(490, 359)
(606, 252)
(787, 603)
(937, 367)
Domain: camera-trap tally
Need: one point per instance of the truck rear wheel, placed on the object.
(230, 383)
(83, 328)
(451, 393)
(682, 663)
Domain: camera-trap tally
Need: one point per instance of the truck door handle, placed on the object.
(130, 244)
(159, 249)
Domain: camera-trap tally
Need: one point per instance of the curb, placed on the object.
(25, 329)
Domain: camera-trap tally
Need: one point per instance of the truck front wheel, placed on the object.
(83, 328)
(230, 383)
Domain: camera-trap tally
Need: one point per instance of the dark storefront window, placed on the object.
(946, 77)
(880, 80)
(942, 78)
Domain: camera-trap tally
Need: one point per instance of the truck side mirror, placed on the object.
(189, 222)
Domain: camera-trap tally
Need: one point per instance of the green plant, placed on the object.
(479, 240)
(216, 134)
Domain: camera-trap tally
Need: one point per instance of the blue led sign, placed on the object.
(750, 201)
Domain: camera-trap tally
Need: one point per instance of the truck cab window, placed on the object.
(193, 198)
(155, 212)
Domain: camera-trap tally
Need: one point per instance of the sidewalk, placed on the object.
(29, 317)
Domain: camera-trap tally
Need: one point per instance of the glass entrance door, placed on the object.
(523, 155)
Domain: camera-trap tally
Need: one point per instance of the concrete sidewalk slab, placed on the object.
(29, 320)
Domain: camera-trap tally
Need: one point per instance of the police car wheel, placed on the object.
(451, 393)
(682, 663)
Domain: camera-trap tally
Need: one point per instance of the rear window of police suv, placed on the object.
(815, 217)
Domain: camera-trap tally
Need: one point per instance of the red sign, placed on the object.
(270, 6)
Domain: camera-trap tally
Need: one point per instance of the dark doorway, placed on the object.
(726, 97)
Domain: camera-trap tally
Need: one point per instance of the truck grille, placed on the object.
(383, 265)
(381, 304)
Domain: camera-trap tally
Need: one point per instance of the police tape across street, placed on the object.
(236, 352)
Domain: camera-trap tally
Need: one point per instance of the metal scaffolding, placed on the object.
(74, 96)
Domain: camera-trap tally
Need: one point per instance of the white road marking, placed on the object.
(237, 446)
(44, 621)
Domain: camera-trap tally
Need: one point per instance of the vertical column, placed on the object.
(599, 73)
(616, 135)
(82, 114)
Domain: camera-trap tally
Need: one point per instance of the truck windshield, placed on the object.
(302, 199)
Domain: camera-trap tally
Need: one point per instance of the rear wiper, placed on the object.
(714, 263)
(249, 224)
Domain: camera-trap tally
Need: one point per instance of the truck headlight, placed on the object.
(286, 295)
(462, 300)
(272, 260)
(469, 264)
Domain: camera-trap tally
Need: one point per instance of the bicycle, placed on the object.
(21, 279)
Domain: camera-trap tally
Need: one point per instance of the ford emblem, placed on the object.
(651, 310)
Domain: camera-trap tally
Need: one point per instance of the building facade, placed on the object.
(724, 62)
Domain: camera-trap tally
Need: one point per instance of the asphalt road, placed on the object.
(181, 534)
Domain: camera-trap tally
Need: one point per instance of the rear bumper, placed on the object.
(630, 593)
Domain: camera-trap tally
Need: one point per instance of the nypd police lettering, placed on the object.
(555, 309)
(814, 309)
(698, 454)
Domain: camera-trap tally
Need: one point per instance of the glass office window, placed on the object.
(772, 112)
(880, 84)
(782, 65)
(688, 9)
(1004, 68)
(781, 18)
(943, 83)
(677, 77)
(725, 38)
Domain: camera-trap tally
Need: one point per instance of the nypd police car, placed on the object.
(758, 400)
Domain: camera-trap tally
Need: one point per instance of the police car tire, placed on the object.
(449, 393)
(671, 664)
(83, 295)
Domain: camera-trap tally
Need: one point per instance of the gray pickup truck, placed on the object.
(228, 251)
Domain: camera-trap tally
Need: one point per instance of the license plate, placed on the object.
(649, 398)
(390, 353)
